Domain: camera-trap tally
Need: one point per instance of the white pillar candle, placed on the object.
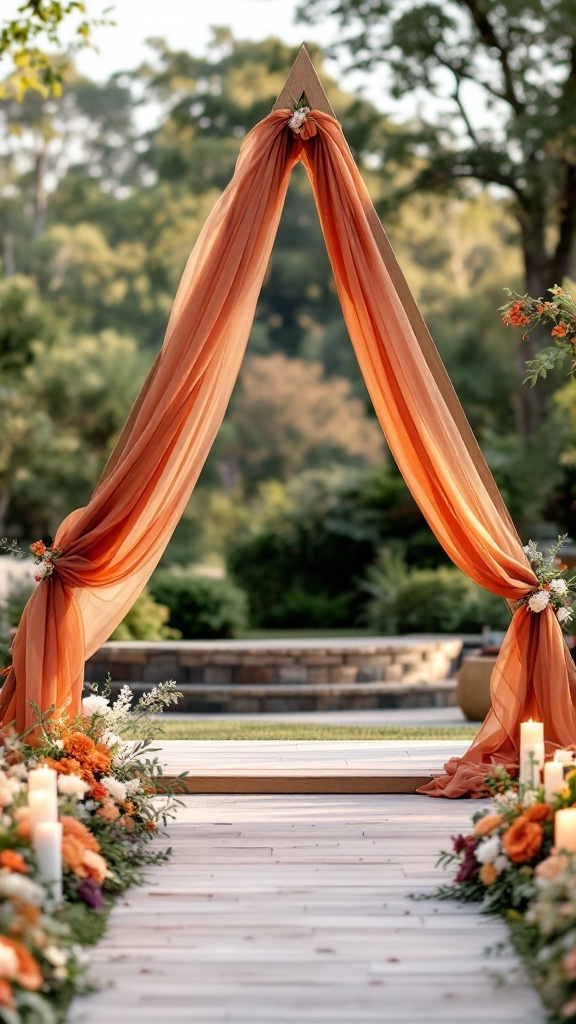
(565, 830)
(47, 844)
(531, 752)
(553, 779)
(42, 778)
(564, 756)
(43, 807)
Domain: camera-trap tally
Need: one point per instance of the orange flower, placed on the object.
(151, 826)
(538, 812)
(488, 874)
(522, 840)
(515, 316)
(95, 866)
(22, 817)
(542, 307)
(73, 855)
(39, 548)
(28, 974)
(6, 995)
(72, 828)
(129, 807)
(553, 866)
(78, 745)
(98, 791)
(484, 826)
(13, 861)
(126, 822)
(559, 331)
(98, 761)
(108, 811)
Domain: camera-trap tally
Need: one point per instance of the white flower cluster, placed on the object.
(538, 601)
(72, 785)
(489, 851)
(16, 886)
(115, 788)
(9, 788)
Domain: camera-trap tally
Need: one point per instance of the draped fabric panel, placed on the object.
(110, 548)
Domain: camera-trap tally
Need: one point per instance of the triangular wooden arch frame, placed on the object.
(303, 83)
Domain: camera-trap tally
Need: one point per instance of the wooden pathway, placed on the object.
(296, 910)
(283, 766)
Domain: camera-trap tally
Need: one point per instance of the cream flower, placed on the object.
(72, 785)
(501, 863)
(538, 601)
(558, 587)
(564, 614)
(16, 886)
(488, 850)
(116, 789)
(8, 962)
(95, 705)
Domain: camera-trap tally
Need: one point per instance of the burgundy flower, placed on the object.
(458, 842)
(467, 870)
(91, 893)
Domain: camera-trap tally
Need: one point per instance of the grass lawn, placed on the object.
(227, 730)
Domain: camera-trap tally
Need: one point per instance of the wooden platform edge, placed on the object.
(274, 784)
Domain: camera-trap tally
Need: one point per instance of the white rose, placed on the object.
(116, 789)
(501, 863)
(487, 851)
(95, 705)
(538, 601)
(564, 614)
(72, 785)
(558, 587)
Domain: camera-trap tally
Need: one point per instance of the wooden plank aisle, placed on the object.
(283, 766)
(285, 909)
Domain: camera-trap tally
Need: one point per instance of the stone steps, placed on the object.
(253, 698)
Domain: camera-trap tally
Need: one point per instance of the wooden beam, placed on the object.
(303, 83)
(347, 782)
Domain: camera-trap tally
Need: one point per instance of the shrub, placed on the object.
(200, 608)
(441, 600)
(146, 620)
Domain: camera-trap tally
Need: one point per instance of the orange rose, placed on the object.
(28, 974)
(95, 866)
(538, 812)
(13, 861)
(484, 826)
(488, 874)
(108, 811)
(553, 866)
(73, 854)
(74, 829)
(522, 840)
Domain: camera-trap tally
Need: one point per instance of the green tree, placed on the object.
(23, 37)
(498, 81)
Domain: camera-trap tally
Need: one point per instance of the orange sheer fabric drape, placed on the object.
(111, 547)
(534, 675)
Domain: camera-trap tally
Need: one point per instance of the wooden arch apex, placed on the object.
(303, 83)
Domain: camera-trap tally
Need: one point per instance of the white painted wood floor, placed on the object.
(285, 909)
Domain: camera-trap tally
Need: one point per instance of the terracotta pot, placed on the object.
(473, 687)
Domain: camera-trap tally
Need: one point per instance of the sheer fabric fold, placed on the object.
(110, 548)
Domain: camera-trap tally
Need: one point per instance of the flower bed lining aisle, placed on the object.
(510, 864)
(108, 811)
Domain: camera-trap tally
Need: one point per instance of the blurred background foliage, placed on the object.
(103, 191)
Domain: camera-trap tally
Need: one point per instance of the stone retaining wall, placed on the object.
(252, 675)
